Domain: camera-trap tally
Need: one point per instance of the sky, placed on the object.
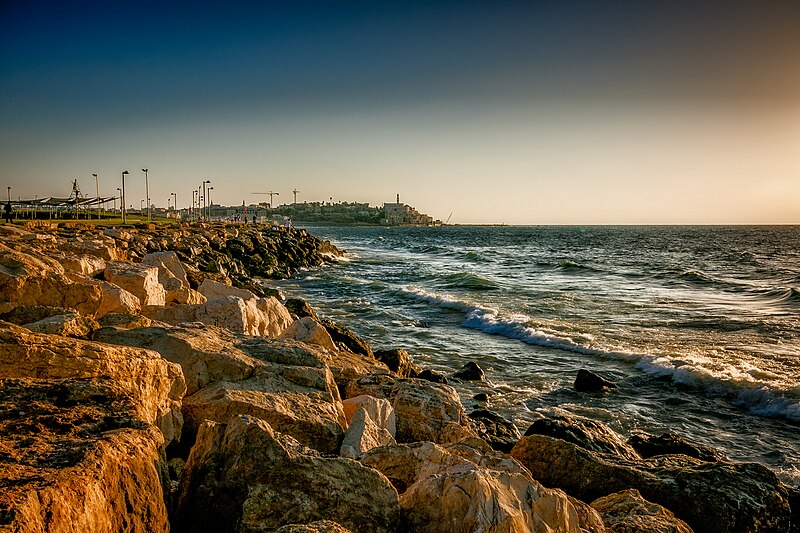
(494, 112)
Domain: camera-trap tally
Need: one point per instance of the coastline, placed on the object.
(236, 374)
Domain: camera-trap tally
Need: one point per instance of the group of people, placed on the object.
(240, 218)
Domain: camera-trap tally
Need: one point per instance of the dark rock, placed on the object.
(470, 372)
(627, 511)
(433, 376)
(584, 432)
(670, 443)
(721, 496)
(28, 314)
(348, 338)
(481, 397)
(587, 381)
(300, 308)
(398, 362)
(500, 433)
(794, 503)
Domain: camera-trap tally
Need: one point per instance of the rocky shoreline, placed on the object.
(152, 381)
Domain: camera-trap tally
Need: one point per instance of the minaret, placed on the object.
(398, 198)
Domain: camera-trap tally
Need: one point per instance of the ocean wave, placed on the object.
(568, 265)
(782, 295)
(468, 280)
(699, 277)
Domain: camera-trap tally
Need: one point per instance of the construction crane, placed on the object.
(448, 219)
(295, 195)
(270, 193)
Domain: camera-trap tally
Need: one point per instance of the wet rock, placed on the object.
(399, 362)
(671, 443)
(348, 338)
(308, 330)
(425, 411)
(584, 432)
(432, 376)
(587, 381)
(248, 477)
(471, 371)
(300, 308)
(719, 496)
(500, 433)
(628, 512)
(481, 397)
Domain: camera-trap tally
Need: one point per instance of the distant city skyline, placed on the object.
(506, 112)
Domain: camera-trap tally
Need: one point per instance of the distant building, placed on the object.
(399, 214)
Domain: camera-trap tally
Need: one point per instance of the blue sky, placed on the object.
(516, 112)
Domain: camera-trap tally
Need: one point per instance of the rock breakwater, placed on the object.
(150, 381)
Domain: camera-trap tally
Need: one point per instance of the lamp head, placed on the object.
(125, 172)
(95, 175)
(144, 170)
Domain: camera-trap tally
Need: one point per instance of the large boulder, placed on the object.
(66, 325)
(301, 308)
(140, 280)
(467, 487)
(500, 433)
(670, 443)
(349, 339)
(363, 434)
(172, 276)
(628, 512)
(379, 410)
(308, 330)
(588, 381)
(584, 432)
(247, 477)
(153, 385)
(205, 353)
(425, 411)
(399, 362)
(86, 265)
(471, 371)
(719, 496)
(99, 246)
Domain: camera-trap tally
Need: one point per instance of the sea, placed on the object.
(699, 326)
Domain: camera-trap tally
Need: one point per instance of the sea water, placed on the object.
(698, 326)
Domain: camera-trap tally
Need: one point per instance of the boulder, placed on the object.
(86, 265)
(719, 496)
(205, 354)
(347, 338)
(95, 245)
(363, 434)
(275, 317)
(301, 308)
(138, 279)
(471, 371)
(213, 289)
(425, 411)
(647, 446)
(399, 362)
(300, 401)
(153, 385)
(378, 409)
(247, 477)
(115, 299)
(469, 488)
(481, 397)
(124, 321)
(500, 433)
(67, 325)
(584, 432)
(310, 331)
(28, 314)
(628, 512)
(432, 376)
(587, 381)
(347, 366)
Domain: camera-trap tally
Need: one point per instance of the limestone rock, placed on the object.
(399, 362)
(378, 409)
(139, 280)
(124, 321)
(172, 276)
(425, 411)
(719, 496)
(587, 381)
(28, 314)
(363, 434)
(154, 385)
(213, 289)
(301, 401)
(347, 366)
(589, 434)
(102, 247)
(471, 371)
(87, 265)
(205, 354)
(310, 331)
(115, 299)
(247, 477)
(501, 434)
(628, 512)
(670, 443)
(276, 317)
(463, 489)
(67, 325)
(320, 526)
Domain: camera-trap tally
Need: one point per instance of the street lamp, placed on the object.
(210, 203)
(115, 199)
(147, 193)
(195, 195)
(205, 211)
(175, 202)
(97, 194)
(122, 200)
(141, 207)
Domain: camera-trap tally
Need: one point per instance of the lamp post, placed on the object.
(119, 191)
(209, 201)
(97, 194)
(141, 207)
(9, 194)
(205, 203)
(169, 205)
(122, 200)
(175, 204)
(147, 193)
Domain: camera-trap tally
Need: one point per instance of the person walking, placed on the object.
(9, 211)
